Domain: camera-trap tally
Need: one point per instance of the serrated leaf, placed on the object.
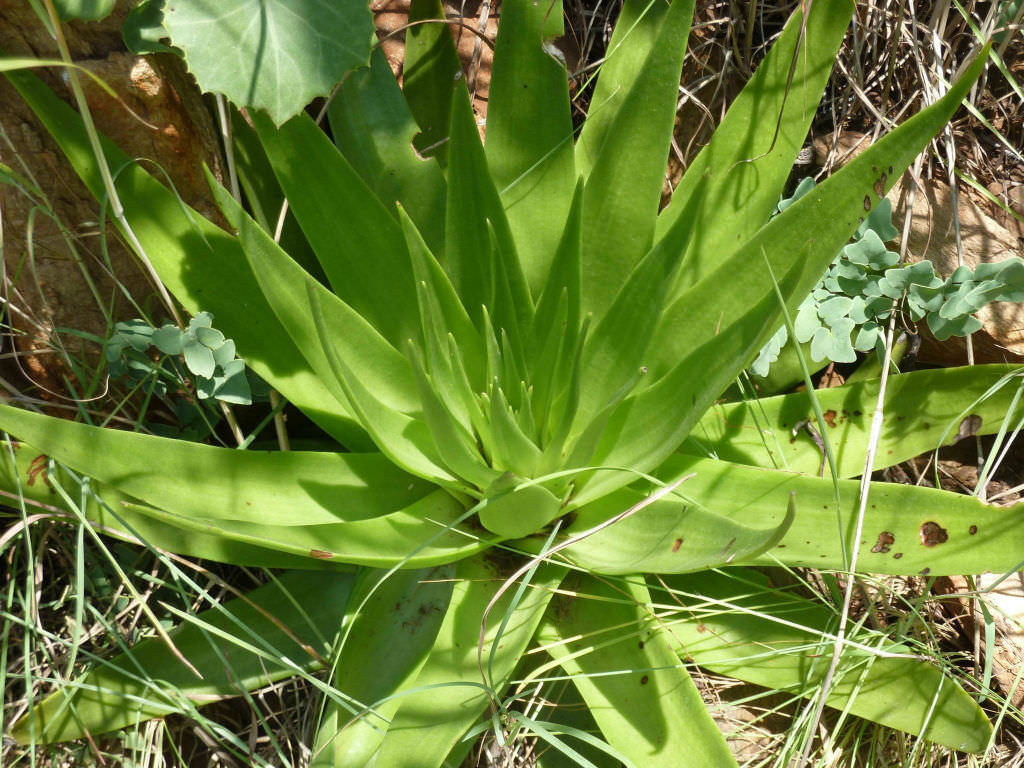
(144, 28)
(276, 56)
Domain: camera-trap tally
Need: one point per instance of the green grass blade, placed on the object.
(344, 223)
(738, 183)
(623, 190)
(532, 169)
(737, 624)
(199, 263)
(641, 697)
(922, 409)
(451, 694)
(908, 530)
(386, 644)
(279, 620)
(372, 126)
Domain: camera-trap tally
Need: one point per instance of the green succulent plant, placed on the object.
(521, 358)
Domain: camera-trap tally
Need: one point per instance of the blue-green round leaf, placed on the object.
(168, 340)
(198, 358)
(276, 55)
(210, 337)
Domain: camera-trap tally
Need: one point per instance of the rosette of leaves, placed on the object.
(849, 308)
(520, 357)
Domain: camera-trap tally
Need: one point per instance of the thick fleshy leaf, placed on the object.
(274, 56)
(641, 697)
(430, 74)
(263, 194)
(388, 634)
(674, 534)
(372, 126)
(623, 189)
(273, 488)
(615, 351)
(737, 177)
(280, 629)
(908, 530)
(474, 207)
(635, 35)
(199, 263)
(286, 286)
(404, 439)
(450, 692)
(703, 351)
(344, 223)
(28, 477)
(423, 534)
(532, 169)
(736, 624)
(922, 411)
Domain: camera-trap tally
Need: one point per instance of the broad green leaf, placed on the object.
(736, 624)
(28, 476)
(614, 352)
(403, 439)
(387, 639)
(143, 28)
(741, 173)
(514, 511)
(281, 488)
(286, 286)
(922, 410)
(674, 534)
(264, 197)
(634, 37)
(344, 223)
(441, 312)
(908, 530)
(425, 533)
(450, 692)
(281, 628)
(430, 74)
(473, 204)
(372, 126)
(532, 169)
(632, 681)
(275, 56)
(709, 349)
(454, 443)
(199, 263)
(623, 189)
